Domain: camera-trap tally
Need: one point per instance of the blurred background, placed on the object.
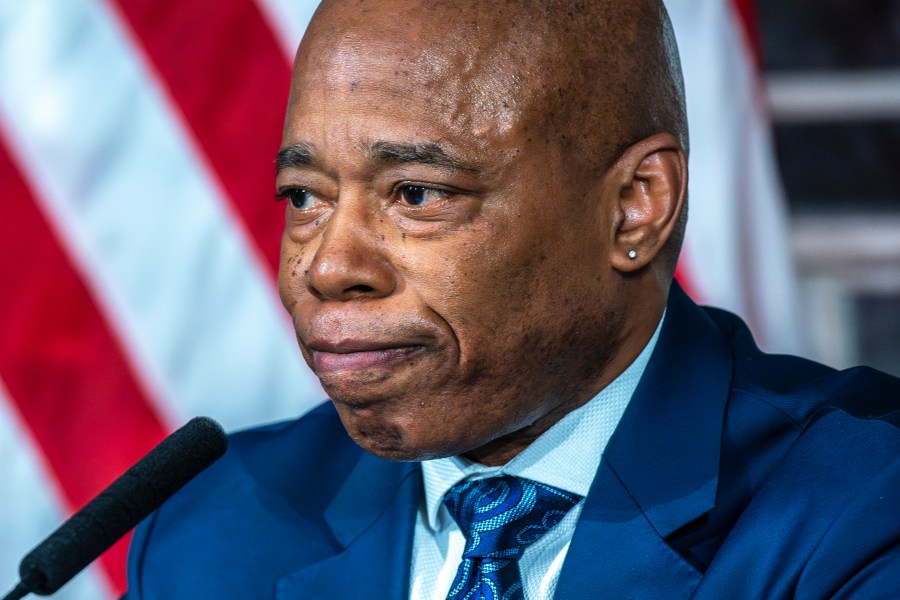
(139, 238)
(833, 74)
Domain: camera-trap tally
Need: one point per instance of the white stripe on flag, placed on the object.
(145, 220)
(699, 27)
(288, 19)
(28, 504)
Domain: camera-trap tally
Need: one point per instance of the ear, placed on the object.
(648, 187)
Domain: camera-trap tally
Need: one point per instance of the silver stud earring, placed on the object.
(632, 254)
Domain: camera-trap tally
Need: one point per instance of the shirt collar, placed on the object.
(565, 456)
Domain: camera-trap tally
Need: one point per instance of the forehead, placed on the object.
(451, 73)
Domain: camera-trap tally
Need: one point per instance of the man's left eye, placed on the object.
(418, 195)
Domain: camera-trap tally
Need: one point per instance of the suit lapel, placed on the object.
(373, 519)
(659, 471)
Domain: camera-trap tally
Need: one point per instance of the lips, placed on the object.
(358, 355)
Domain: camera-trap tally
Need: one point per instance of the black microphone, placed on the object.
(121, 506)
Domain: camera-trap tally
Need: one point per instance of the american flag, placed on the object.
(139, 241)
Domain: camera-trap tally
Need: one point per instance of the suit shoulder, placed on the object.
(800, 388)
(278, 459)
(828, 511)
(269, 490)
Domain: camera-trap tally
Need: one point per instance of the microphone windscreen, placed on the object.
(122, 505)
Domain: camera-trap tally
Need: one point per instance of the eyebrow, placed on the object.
(296, 155)
(384, 152)
(425, 153)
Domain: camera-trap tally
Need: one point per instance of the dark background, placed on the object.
(840, 166)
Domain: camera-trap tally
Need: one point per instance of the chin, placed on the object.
(391, 447)
(388, 439)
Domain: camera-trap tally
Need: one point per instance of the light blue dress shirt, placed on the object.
(566, 456)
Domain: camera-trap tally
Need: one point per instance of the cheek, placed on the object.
(481, 297)
(540, 297)
(489, 289)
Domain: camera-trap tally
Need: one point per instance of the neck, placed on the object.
(506, 447)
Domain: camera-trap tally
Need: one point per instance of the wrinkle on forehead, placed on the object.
(476, 76)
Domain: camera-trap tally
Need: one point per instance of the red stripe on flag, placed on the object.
(226, 73)
(685, 280)
(749, 18)
(65, 372)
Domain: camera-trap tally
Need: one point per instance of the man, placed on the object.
(484, 207)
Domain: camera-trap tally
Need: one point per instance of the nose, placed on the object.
(348, 263)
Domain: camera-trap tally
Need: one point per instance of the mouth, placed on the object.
(360, 355)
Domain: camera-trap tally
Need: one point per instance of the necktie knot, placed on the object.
(500, 517)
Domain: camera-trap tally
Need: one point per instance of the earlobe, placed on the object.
(650, 186)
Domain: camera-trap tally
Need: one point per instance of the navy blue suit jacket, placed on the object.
(733, 474)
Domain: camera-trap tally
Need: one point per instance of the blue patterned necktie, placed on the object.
(500, 517)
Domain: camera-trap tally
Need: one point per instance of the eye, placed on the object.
(419, 195)
(300, 198)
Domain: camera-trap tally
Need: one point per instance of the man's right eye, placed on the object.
(299, 198)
